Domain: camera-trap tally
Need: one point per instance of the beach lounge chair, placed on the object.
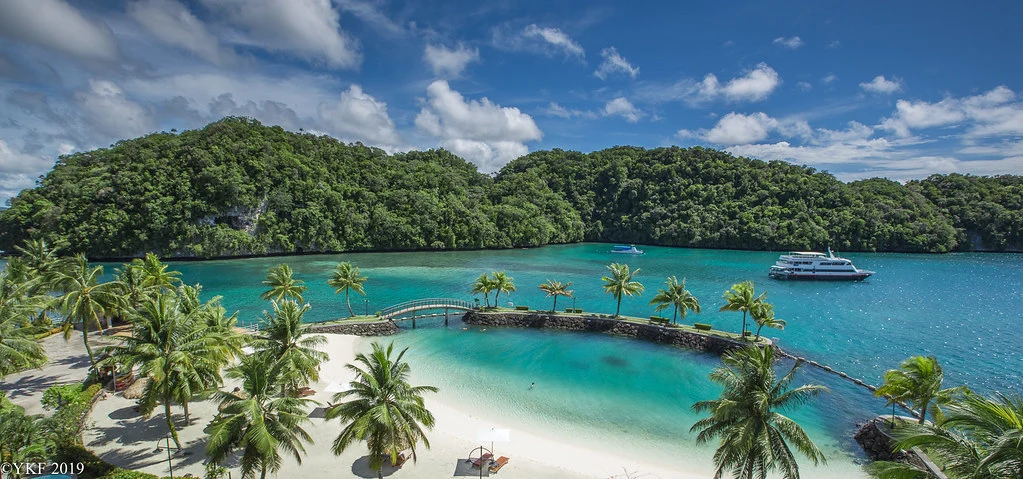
(304, 391)
(482, 460)
(401, 460)
(496, 466)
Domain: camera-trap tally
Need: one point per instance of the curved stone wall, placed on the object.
(649, 332)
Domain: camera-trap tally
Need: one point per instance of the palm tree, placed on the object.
(40, 259)
(286, 344)
(763, 314)
(156, 276)
(175, 351)
(130, 281)
(258, 420)
(347, 278)
(483, 285)
(556, 288)
(26, 439)
(85, 300)
(282, 285)
(382, 408)
(754, 437)
(18, 347)
(742, 298)
(980, 438)
(918, 382)
(621, 283)
(502, 284)
(678, 296)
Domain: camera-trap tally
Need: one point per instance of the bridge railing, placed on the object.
(427, 303)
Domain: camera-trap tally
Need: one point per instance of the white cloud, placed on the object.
(18, 170)
(358, 116)
(369, 13)
(172, 23)
(921, 114)
(739, 129)
(107, 109)
(755, 85)
(804, 86)
(614, 62)
(624, 108)
(56, 25)
(790, 42)
(546, 40)
(555, 109)
(486, 133)
(450, 62)
(880, 84)
(829, 78)
(309, 28)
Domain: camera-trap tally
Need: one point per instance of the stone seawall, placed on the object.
(649, 332)
(379, 328)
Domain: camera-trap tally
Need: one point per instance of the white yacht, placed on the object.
(814, 265)
(630, 249)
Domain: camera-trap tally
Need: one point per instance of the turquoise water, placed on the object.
(966, 309)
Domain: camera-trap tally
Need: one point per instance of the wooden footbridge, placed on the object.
(409, 310)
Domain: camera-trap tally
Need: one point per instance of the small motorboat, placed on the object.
(622, 249)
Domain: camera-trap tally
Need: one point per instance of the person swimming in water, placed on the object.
(531, 386)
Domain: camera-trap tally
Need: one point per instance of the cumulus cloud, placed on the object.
(106, 108)
(791, 43)
(624, 108)
(359, 116)
(740, 129)
(754, 85)
(483, 132)
(880, 84)
(56, 25)
(18, 170)
(549, 41)
(921, 114)
(309, 28)
(614, 63)
(450, 62)
(174, 24)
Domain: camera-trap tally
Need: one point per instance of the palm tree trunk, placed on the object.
(674, 317)
(88, 349)
(758, 332)
(170, 422)
(923, 412)
(187, 420)
(744, 324)
(262, 475)
(619, 309)
(555, 307)
(486, 299)
(498, 293)
(349, 303)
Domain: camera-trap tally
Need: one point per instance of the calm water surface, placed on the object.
(966, 309)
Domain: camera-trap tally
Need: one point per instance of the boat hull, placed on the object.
(821, 277)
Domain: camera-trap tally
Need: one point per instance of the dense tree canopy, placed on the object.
(237, 187)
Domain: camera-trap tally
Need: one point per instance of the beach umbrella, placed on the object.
(493, 435)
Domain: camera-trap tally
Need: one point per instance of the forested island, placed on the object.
(237, 187)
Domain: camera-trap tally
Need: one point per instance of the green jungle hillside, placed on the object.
(237, 187)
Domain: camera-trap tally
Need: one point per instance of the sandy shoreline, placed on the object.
(120, 436)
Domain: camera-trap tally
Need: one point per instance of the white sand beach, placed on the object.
(121, 436)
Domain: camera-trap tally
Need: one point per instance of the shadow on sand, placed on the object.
(361, 468)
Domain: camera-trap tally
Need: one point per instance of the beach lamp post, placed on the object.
(367, 307)
(159, 449)
(573, 303)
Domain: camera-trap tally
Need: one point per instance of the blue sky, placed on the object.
(861, 89)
